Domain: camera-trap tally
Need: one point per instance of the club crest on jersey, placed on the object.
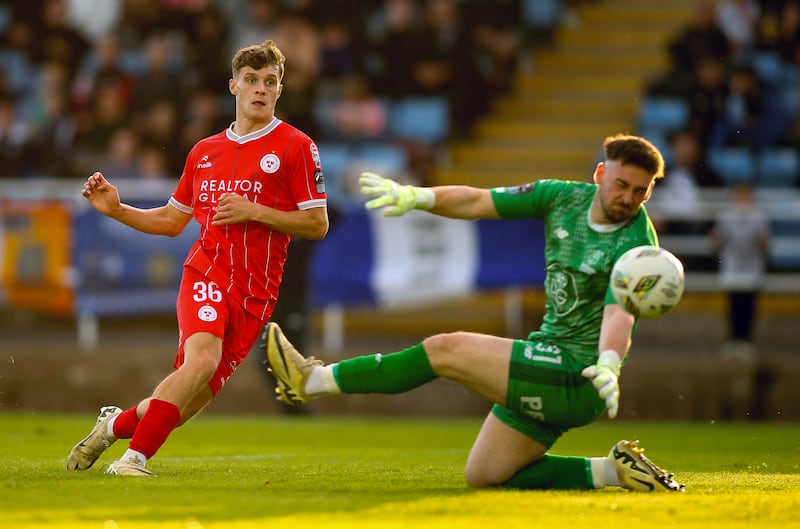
(207, 313)
(270, 163)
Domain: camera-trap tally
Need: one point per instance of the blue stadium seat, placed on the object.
(386, 159)
(778, 167)
(424, 119)
(336, 159)
(666, 114)
(785, 246)
(769, 67)
(538, 14)
(734, 164)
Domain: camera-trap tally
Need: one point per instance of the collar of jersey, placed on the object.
(253, 135)
(603, 228)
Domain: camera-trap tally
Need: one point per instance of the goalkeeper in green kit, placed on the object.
(563, 375)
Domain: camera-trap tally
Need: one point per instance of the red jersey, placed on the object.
(277, 166)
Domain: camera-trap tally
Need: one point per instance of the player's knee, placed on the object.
(479, 478)
(442, 348)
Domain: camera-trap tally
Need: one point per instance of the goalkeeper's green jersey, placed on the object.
(578, 255)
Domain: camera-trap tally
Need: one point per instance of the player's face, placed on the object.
(622, 189)
(256, 92)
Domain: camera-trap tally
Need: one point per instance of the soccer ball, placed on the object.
(647, 281)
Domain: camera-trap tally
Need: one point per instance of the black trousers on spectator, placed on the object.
(742, 314)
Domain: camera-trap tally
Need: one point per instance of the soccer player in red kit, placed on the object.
(251, 188)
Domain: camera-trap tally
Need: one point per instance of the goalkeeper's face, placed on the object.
(622, 189)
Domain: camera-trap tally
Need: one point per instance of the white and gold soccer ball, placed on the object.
(647, 281)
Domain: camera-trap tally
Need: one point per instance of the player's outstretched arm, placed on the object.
(104, 197)
(615, 339)
(461, 202)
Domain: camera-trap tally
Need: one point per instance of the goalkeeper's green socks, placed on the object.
(565, 473)
(377, 373)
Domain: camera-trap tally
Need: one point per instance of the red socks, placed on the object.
(125, 424)
(154, 427)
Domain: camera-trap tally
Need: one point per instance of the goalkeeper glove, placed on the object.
(396, 199)
(604, 376)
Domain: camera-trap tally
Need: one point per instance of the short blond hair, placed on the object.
(258, 56)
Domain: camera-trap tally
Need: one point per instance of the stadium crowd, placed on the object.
(734, 67)
(128, 86)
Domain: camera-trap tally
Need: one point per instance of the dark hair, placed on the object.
(634, 150)
(258, 56)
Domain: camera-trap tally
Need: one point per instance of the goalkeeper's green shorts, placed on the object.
(547, 395)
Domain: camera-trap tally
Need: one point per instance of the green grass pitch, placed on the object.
(298, 472)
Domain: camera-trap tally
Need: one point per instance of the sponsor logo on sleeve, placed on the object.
(319, 181)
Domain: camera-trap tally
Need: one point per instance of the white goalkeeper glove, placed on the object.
(604, 376)
(396, 199)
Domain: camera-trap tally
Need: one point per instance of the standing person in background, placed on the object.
(252, 187)
(563, 375)
(741, 237)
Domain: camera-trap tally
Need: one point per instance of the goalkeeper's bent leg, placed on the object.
(553, 472)
(390, 373)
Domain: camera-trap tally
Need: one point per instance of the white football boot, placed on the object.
(86, 452)
(638, 473)
(291, 369)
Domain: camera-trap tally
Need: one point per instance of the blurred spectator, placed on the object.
(103, 67)
(95, 19)
(158, 126)
(16, 57)
(741, 236)
(153, 164)
(15, 141)
(675, 207)
(779, 31)
(95, 126)
(357, 115)
(707, 97)
(208, 64)
(140, 18)
(701, 37)
(121, 159)
(738, 20)
(255, 25)
(390, 32)
(497, 53)
(54, 138)
(337, 56)
(753, 116)
(57, 40)
(444, 63)
(158, 80)
(203, 117)
(301, 40)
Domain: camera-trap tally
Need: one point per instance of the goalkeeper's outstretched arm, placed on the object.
(460, 202)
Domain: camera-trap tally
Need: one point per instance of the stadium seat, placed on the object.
(541, 14)
(769, 67)
(424, 119)
(778, 167)
(666, 114)
(734, 164)
(386, 159)
(785, 245)
(336, 159)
